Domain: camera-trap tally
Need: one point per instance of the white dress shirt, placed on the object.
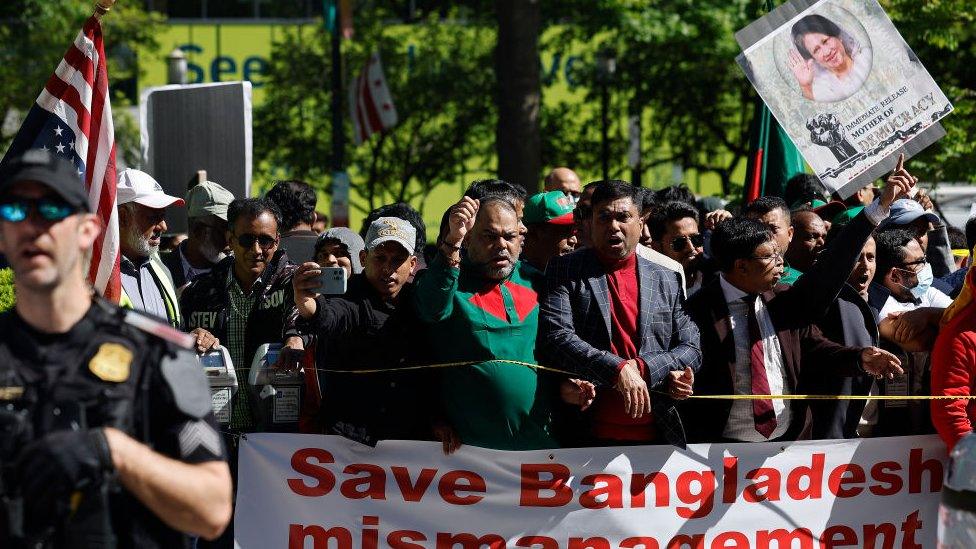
(655, 256)
(742, 423)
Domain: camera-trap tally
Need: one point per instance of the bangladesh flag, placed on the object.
(773, 159)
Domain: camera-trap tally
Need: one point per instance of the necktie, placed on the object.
(762, 409)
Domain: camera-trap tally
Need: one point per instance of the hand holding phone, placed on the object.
(331, 281)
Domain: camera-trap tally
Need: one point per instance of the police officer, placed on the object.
(107, 438)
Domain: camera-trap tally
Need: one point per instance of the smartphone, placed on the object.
(332, 281)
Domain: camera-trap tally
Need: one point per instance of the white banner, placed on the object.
(326, 492)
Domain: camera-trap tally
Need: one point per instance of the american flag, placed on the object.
(72, 118)
(370, 103)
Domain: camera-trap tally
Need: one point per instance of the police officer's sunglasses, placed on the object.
(678, 243)
(15, 210)
(247, 240)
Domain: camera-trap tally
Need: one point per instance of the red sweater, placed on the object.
(954, 373)
(609, 419)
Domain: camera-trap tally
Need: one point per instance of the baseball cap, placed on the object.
(828, 210)
(141, 188)
(847, 215)
(206, 198)
(552, 207)
(57, 174)
(387, 229)
(905, 211)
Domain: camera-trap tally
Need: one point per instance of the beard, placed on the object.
(138, 242)
(210, 252)
(496, 273)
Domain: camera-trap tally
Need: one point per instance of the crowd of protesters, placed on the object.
(579, 316)
(630, 299)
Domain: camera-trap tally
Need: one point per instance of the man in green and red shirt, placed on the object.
(483, 307)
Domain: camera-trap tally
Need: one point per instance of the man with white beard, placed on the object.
(206, 211)
(147, 284)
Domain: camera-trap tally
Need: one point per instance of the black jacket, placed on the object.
(853, 322)
(793, 310)
(360, 331)
(175, 266)
(206, 302)
(899, 417)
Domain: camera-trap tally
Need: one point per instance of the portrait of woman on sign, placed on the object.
(828, 62)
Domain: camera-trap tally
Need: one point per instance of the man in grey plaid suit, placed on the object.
(616, 319)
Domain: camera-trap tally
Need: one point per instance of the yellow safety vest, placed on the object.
(161, 274)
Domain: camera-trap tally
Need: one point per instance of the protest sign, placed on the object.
(844, 85)
(310, 491)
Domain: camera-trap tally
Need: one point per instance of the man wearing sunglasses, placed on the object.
(674, 233)
(147, 284)
(245, 301)
(107, 428)
(910, 310)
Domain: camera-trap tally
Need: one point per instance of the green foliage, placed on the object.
(7, 297)
(35, 34)
(676, 72)
(442, 95)
(941, 34)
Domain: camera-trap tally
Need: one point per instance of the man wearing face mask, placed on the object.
(906, 275)
(910, 310)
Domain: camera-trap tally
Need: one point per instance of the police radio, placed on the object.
(278, 391)
(222, 377)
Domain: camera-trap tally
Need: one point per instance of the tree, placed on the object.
(677, 72)
(519, 95)
(35, 35)
(442, 94)
(941, 34)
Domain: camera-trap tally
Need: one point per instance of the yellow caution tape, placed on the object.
(698, 397)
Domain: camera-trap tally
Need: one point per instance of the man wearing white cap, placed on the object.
(147, 284)
(206, 211)
(371, 327)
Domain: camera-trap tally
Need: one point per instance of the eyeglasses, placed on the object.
(776, 258)
(15, 211)
(679, 243)
(264, 241)
(912, 265)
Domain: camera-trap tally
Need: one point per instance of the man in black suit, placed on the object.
(616, 319)
(756, 335)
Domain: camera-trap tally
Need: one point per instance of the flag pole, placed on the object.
(102, 7)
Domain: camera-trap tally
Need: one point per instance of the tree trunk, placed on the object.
(519, 94)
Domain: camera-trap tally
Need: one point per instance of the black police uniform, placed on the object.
(103, 372)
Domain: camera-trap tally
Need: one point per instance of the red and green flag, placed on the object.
(773, 159)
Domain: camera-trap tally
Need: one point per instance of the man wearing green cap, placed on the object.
(549, 219)
(206, 211)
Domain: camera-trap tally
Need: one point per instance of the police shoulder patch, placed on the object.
(187, 382)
